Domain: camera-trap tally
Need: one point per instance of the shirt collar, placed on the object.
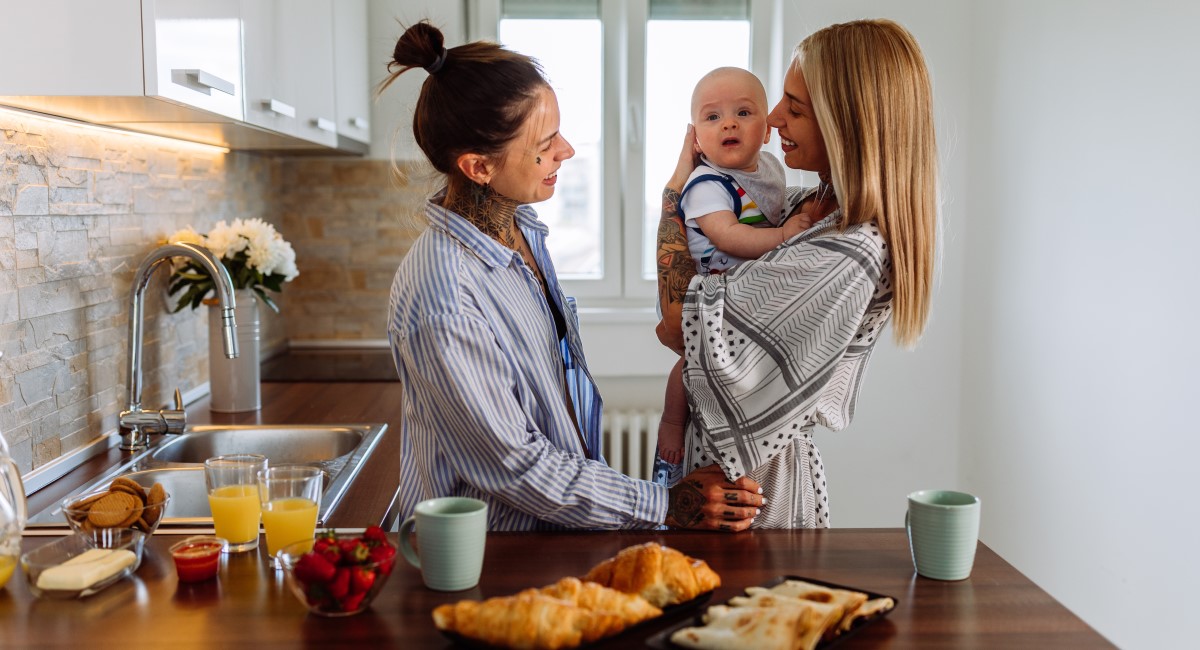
(492, 252)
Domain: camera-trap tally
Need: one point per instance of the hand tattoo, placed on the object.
(685, 501)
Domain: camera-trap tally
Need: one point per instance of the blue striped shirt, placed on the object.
(484, 372)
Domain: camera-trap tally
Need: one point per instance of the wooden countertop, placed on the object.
(369, 496)
(249, 606)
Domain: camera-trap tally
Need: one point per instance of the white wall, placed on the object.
(391, 113)
(1079, 375)
(905, 434)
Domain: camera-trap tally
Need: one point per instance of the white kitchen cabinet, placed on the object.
(352, 78)
(193, 53)
(307, 31)
(190, 69)
(289, 68)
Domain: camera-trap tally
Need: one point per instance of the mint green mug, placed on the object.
(943, 531)
(451, 532)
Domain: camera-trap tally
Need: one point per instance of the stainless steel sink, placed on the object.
(280, 444)
(178, 463)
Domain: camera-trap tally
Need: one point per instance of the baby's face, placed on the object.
(730, 115)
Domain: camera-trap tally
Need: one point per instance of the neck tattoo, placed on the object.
(494, 214)
(490, 212)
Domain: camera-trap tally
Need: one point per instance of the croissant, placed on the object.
(661, 575)
(629, 609)
(527, 621)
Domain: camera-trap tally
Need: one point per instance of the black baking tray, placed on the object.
(662, 640)
(667, 612)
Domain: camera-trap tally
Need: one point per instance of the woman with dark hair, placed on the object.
(498, 401)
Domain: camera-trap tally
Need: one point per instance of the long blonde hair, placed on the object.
(872, 97)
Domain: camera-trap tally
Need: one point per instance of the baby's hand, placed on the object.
(797, 224)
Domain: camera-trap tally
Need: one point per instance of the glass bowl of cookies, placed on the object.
(125, 503)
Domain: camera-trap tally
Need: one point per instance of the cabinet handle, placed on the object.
(360, 123)
(210, 81)
(324, 124)
(276, 106)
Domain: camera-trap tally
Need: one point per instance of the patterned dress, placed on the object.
(775, 347)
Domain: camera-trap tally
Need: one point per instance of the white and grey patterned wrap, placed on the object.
(786, 351)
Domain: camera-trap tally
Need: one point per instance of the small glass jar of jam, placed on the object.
(197, 558)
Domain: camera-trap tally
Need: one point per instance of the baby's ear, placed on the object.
(767, 136)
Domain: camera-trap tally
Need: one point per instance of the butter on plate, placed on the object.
(86, 569)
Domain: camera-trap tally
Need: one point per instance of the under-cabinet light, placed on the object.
(68, 122)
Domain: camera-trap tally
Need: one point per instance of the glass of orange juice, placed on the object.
(232, 483)
(290, 496)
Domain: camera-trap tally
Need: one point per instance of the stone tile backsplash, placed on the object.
(80, 208)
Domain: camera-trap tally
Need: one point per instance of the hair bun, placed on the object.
(421, 46)
(437, 63)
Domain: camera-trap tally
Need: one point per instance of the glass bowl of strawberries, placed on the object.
(338, 574)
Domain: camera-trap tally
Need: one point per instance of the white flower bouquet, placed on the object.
(253, 252)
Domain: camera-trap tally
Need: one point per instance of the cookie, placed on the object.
(85, 503)
(134, 516)
(137, 493)
(128, 483)
(154, 508)
(113, 509)
(158, 494)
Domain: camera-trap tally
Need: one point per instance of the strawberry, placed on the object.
(374, 535)
(361, 579)
(340, 585)
(313, 568)
(329, 549)
(314, 594)
(351, 602)
(385, 557)
(354, 551)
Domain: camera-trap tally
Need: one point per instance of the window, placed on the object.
(623, 71)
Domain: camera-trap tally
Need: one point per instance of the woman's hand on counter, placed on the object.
(706, 500)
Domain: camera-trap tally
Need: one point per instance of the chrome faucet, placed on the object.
(141, 423)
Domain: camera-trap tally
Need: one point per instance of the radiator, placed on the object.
(630, 437)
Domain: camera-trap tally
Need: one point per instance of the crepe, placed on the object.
(847, 601)
(793, 615)
(762, 628)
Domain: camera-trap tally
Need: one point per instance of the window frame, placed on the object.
(623, 34)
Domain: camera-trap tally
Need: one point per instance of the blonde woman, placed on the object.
(779, 345)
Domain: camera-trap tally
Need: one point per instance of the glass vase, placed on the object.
(235, 382)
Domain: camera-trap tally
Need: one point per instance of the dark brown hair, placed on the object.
(475, 100)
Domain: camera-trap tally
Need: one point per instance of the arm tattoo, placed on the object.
(685, 503)
(675, 265)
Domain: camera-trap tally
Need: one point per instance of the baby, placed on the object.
(730, 204)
